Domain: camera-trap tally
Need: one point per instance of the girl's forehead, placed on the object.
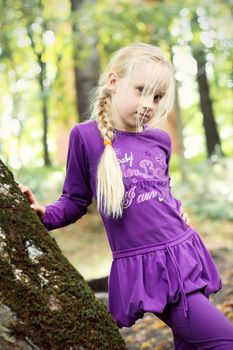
(150, 74)
(143, 70)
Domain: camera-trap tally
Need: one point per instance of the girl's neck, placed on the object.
(125, 129)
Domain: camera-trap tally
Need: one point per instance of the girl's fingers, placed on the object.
(26, 190)
(186, 218)
(23, 188)
(39, 209)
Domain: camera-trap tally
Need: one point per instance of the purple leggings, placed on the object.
(205, 327)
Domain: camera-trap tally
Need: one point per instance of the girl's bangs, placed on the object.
(158, 81)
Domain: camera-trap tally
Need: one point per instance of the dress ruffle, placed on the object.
(147, 279)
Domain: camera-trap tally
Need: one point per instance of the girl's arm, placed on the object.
(76, 194)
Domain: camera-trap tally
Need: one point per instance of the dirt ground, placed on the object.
(86, 246)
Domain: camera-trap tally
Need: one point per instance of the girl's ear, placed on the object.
(112, 81)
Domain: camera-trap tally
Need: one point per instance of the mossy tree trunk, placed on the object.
(44, 302)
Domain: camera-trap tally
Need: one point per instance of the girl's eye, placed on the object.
(140, 88)
(157, 98)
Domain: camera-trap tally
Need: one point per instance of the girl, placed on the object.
(119, 157)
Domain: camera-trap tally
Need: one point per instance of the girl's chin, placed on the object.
(144, 119)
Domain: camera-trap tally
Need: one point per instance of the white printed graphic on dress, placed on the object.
(126, 159)
(128, 197)
(147, 170)
(149, 195)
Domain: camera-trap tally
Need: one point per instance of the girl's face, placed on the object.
(127, 96)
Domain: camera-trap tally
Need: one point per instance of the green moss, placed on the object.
(57, 308)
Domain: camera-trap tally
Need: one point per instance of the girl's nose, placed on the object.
(148, 102)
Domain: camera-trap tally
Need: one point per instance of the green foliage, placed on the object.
(208, 191)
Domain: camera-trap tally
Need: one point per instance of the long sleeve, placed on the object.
(76, 194)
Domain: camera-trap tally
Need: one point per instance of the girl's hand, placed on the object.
(185, 216)
(39, 209)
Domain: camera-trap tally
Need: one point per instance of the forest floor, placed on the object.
(87, 238)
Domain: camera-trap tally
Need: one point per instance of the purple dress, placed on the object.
(156, 257)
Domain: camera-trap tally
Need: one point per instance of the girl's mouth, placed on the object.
(144, 117)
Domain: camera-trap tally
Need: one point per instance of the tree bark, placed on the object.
(45, 304)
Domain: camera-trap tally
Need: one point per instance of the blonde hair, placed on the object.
(110, 186)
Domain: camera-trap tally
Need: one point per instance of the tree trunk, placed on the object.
(45, 304)
(42, 77)
(86, 77)
(86, 73)
(213, 142)
(44, 95)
